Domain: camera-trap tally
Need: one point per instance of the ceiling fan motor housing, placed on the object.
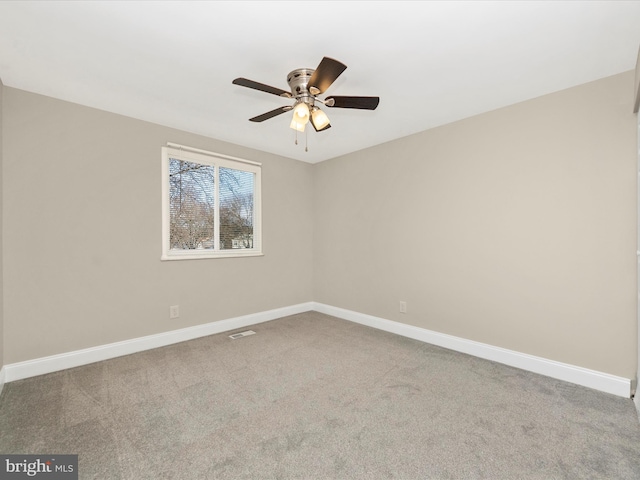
(298, 81)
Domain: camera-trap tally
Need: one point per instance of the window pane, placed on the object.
(191, 205)
(211, 205)
(236, 209)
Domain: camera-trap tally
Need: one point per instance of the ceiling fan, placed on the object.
(306, 84)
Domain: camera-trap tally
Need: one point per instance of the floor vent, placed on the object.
(242, 334)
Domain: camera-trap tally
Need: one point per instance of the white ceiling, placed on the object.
(431, 63)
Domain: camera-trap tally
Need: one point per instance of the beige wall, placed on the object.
(82, 229)
(1, 225)
(636, 89)
(637, 102)
(515, 228)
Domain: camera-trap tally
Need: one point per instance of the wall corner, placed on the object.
(636, 86)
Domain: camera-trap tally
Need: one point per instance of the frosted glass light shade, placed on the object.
(297, 125)
(319, 119)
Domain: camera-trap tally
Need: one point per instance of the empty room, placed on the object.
(319, 240)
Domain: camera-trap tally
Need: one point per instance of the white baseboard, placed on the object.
(54, 363)
(636, 400)
(570, 373)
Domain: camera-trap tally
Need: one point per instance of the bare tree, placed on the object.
(192, 206)
(236, 221)
(236, 209)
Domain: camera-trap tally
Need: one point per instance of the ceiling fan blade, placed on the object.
(244, 82)
(271, 114)
(363, 103)
(326, 73)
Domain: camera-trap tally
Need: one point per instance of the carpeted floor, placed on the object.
(314, 397)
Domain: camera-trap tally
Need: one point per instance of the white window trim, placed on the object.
(218, 160)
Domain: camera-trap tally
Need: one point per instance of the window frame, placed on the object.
(217, 160)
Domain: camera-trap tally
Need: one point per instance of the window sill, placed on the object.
(202, 255)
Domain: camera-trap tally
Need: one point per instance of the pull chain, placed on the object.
(306, 140)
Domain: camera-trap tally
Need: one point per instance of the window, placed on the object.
(210, 205)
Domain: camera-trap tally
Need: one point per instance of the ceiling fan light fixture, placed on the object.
(300, 116)
(297, 125)
(301, 112)
(319, 119)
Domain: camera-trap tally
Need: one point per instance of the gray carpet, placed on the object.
(314, 397)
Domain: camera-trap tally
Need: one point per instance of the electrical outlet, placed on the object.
(403, 307)
(174, 311)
